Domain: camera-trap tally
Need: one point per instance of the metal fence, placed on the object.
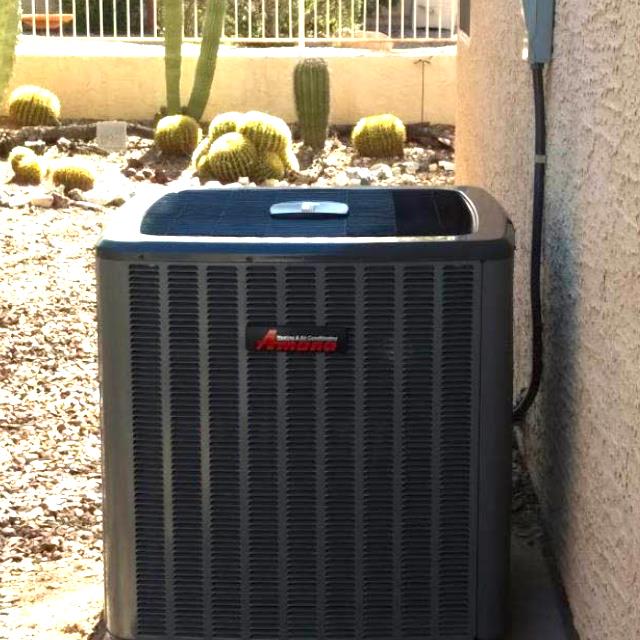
(300, 22)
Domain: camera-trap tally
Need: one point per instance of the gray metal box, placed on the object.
(306, 414)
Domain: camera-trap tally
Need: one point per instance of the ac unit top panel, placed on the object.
(227, 223)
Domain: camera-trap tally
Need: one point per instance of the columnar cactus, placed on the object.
(206, 65)
(9, 28)
(268, 167)
(266, 132)
(73, 174)
(173, 20)
(231, 156)
(381, 136)
(177, 135)
(311, 89)
(224, 123)
(34, 106)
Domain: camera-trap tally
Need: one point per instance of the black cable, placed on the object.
(526, 400)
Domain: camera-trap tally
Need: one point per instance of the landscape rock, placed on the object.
(447, 165)
(160, 176)
(76, 194)
(60, 201)
(381, 171)
(37, 146)
(44, 200)
(135, 162)
(341, 179)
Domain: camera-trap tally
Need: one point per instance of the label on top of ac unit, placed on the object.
(296, 339)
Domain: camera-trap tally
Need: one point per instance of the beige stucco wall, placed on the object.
(126, 81)
(583, 442)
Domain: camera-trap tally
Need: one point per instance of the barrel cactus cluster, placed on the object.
(177, 135)
(380, 136)
(256, 145)
(33, 106)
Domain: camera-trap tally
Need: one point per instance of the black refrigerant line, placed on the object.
(528, 396)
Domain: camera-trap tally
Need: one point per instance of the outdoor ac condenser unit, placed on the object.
(306, 414)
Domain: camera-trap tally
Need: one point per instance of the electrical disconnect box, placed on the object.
(538, 15)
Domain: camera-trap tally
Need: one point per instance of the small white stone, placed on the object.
(341, 180)
(408, 179)
(244, 181)
(447, 165)
(355, 182)
(433, 167)
(213, 184)
(411, 167)
(381, 171)
(54, 504)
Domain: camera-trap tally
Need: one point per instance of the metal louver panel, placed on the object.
(186, 477)
(456, 397)
(324, 496)
(224, 454)
(146, 401)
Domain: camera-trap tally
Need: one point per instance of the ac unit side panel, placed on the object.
(115, 330)
(494, 458)
(299, 495)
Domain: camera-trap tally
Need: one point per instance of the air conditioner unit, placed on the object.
(306, 414)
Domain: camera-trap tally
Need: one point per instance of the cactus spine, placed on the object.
(9, 28)
(311, 89)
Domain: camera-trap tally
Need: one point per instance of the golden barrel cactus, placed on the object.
(227, 122)
(231, 156)
(177, 135)
(381, 136)
(268, 167)
(266, 132)
(74, 174)
(33, 106)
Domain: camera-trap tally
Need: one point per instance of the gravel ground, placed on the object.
(50, 493)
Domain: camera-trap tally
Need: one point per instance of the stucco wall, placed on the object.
(583, 439)
(116, 80)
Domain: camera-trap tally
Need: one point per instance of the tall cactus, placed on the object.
(311, 88)
(206, 66)
(9, 28)
(173, 53)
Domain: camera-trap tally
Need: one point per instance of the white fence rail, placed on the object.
(298, 22)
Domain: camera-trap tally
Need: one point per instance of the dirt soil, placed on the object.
(50, 489)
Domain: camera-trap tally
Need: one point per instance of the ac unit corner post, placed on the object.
(347, 476)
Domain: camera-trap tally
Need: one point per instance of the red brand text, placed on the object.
(271, 341)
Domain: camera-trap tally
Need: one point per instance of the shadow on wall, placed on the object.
(561, 300)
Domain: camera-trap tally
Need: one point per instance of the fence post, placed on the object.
(301, 23)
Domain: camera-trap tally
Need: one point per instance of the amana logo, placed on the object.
(296, 339)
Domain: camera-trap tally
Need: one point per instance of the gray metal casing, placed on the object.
(162, 305)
